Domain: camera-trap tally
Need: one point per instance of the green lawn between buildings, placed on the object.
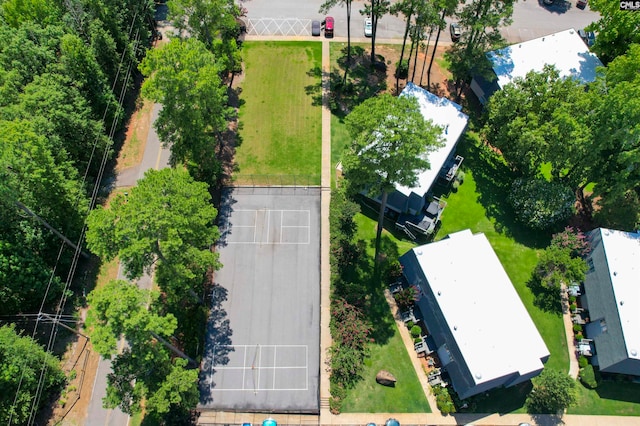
(280, 112)
(280, 118)
(479, 206)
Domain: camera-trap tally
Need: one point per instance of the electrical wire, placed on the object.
(58, 317)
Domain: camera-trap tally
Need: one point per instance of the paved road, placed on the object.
(155, 157)
(531, 19)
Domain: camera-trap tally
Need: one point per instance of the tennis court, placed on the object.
(263, 338)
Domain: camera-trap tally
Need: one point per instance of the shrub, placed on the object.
(573, 299)
(455, 185)
(540, 204)
(393, 270)
(573, 240)
(583, 361)
(416, 331)
(443, 400)
(402, 69)
(579, 336)
(573, 307)
(417, 339)
(335, 405)
(410, 324)
(577, 328)
(407, 297)
(588, 377)
(460, 177)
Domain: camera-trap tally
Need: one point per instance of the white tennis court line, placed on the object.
(259, 367)
(268, 221)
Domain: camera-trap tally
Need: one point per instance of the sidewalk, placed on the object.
(325, 269)
(574, 368)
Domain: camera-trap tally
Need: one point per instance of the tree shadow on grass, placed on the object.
(493, 183)
(546, 298)
(500, 400)
(378, 312)
(364, 80)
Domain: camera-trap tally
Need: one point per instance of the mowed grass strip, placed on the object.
(406, 397)
(281, 124)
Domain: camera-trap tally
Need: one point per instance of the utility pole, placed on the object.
(50, 228)
(28, 211)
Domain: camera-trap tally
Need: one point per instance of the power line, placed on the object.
(72, 270)
(62, 302)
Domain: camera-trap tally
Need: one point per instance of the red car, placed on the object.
(328, 27)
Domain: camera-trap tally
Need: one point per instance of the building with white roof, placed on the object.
(449, 116)
(484, 334)
(565, 50)
(612, 293)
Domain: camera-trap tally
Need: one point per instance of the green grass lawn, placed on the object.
(280, 116)
(480, 205)
(369, 397)
(610, 398)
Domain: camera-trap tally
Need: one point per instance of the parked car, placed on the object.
(581, 4)
(455, 31)
(368, 27)
(392, 422)
(328, 27)
(315, 28)
(547, 2)
(589, 37)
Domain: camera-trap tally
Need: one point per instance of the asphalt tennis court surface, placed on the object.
(263, 342)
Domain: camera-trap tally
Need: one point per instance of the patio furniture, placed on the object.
(395, 287)
(408, 316)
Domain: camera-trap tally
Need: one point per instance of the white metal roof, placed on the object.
(623, 257)
(565, 50)
(446, 114)
(491, 326)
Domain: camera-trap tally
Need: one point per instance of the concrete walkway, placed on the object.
(434, 418)
(325, 270)
(574, 368)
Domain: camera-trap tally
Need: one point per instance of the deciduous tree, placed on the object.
(553, 392)
(533, 121)
(21, 361)
(212, 22)
(145, 369)
(184, 77)
(166, 221)
(617, 29)
(390, 143)
(480, 21)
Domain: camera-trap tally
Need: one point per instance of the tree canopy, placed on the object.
(214, 23)
(480, 21)
(390, 144)
(166, 221)
(617, 29)
(21, 361)
(147, 368)
(184, 77)
(553, 392)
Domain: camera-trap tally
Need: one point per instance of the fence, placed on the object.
(273, 180)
